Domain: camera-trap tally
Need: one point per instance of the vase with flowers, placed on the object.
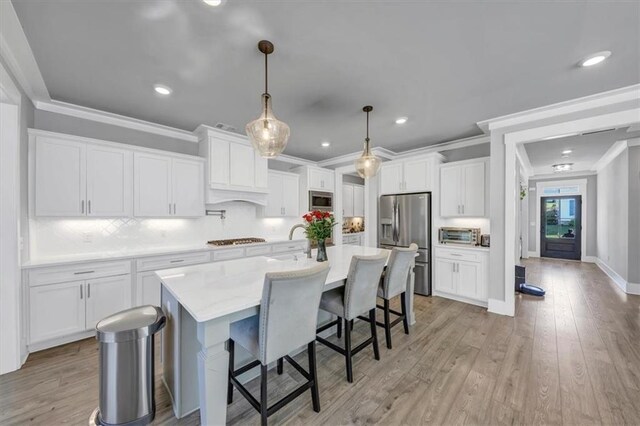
(317, 227)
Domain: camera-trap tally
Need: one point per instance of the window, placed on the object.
(561, 190)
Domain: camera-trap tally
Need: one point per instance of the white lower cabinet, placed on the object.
(462, 274)
(148, 288)
(106, 296)
(56, 310)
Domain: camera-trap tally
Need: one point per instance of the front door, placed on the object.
(560, 230)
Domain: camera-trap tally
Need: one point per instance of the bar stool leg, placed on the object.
(374, 333)
(313, 372)
(347, 348)
(280, 366)
(263, 395)
(231, 347)
(405, 317)
(387, 323)
(339, 328)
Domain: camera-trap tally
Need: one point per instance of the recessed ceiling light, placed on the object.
(162, 89)
(213, 3)
(401, 120)
(325, 144)
(595, 59)
(567, 152)
(548, 138)
(562, 167)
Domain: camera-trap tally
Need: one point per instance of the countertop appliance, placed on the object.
(404, 219)
(322, 201)
(485, 240)
(236, 241)
(468, 236)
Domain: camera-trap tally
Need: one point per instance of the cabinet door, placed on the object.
(152, 185)
(261, 171)
(445, 275)
(347, 200)
(473, 179)
(316, 179)
(391, 178)
(417, 175)
(358, 201)
(106, 296)
(328, 181)
(450, 204)
(60, 181)
(291, 196)
(188, 188)
(56, 310)
(218, 161)
(469, 279)
(241, 165)
(109, 182)
(275, 206)
(148, 289)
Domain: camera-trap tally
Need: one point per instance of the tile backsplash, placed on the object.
(59, 236)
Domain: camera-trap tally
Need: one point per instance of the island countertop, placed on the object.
(213, 290)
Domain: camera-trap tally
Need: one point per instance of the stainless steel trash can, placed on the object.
(126, 342)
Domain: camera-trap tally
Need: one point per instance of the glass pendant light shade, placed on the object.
(368, 164)
(268, 135)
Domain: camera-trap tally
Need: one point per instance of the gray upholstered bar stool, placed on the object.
(287, 320)
(393, 284)
(357, 297)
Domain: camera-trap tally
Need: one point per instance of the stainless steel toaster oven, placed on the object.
(470, 236)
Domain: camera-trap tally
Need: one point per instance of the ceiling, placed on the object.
(444, 65)
(586, 150)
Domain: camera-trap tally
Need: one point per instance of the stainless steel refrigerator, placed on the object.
(404, 219)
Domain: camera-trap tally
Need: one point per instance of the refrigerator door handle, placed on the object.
(396, 223)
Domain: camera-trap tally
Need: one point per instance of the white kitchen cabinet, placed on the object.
(148, 288)
(167, 187)
(352, 239)
(60, 177)
(109, 181)
(405, 176)
(56, 310)
(463, 189)
(241, 166)
(358, 201)
(462, 274)
(347, 200)
(106, 296)
(283, 195)
(321, 179)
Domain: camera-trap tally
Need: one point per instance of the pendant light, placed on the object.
(368, 164)
(268, 135)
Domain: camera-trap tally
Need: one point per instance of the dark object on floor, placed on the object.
(520, 274)
(531, 289)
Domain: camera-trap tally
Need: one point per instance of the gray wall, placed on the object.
(592, 194)
(54, 122)
(467, 153)
(613, 214)
(634, 214)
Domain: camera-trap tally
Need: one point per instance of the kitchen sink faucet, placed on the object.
(308, 246)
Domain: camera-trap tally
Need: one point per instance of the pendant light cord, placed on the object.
(266, 74)
(367, 139)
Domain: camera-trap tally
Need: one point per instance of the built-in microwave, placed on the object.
(470, 236)
(322, 201)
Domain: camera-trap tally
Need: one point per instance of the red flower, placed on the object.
(326, 214)
(317, 214)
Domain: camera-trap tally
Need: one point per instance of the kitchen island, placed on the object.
(201, 302)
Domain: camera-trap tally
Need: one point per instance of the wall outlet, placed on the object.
(87, 237)
(163, 233)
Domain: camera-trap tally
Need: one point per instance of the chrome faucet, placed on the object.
(307, 250)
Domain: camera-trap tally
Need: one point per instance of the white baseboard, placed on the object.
(500, 307)
(629, 288)
(458, 298)
(533, 254)
(589, 259)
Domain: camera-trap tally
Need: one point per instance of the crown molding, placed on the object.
(610, 97)
(615, 150)
(562, 175)
(15, 49)
(445, 146)
(633, 142)
(115, 120)
(384, 153)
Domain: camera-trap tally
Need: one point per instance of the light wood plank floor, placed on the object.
(571, 358)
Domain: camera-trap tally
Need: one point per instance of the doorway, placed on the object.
(561, 227)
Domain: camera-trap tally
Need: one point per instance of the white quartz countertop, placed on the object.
(134, 253)
(454, 246)
(213, 290)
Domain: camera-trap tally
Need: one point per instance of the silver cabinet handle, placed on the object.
(174, 208)
(456, 254)
(82, 206)
(83, 272)
(284, 211)
(89, 206)
(88, 290)
(169, 208)
(177, 261)
(463, 209)
(80, 291)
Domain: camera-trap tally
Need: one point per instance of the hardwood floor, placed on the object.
(570, 358)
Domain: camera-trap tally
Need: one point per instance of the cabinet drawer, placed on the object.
(283, 248)
(77, 272)
(453, 254)
(228, 254)
(258, 251)
(171, 261)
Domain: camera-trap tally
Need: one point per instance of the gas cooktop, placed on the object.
(236, 241)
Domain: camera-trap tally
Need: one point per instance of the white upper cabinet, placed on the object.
(404, 176)
(283, 195)
(166, 186)
(60, 177)
(347, 200)
(358, 200)
(109, 177)
(233, 164)
(463, 188)
(321, 179)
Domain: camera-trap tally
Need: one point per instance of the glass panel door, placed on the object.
(560, 227)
